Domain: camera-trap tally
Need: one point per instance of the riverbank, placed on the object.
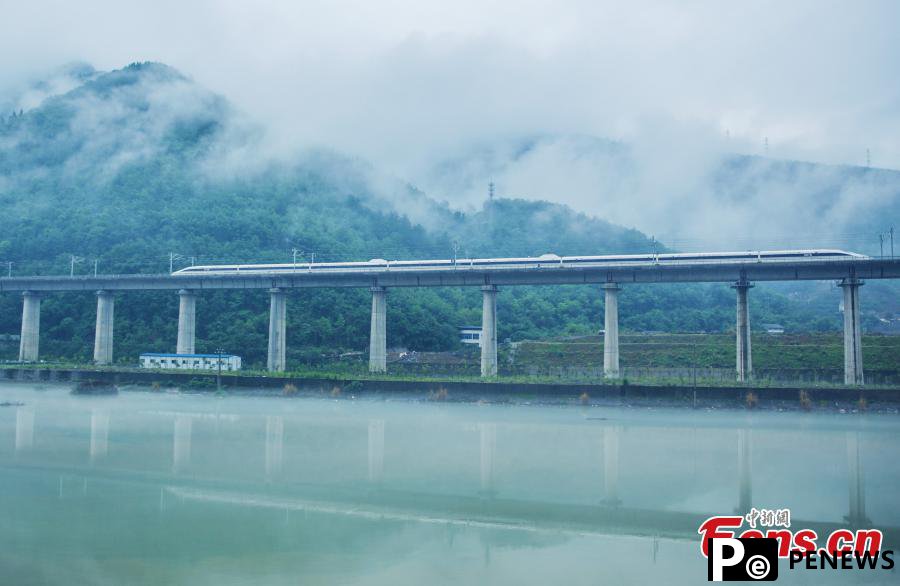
(600, 393)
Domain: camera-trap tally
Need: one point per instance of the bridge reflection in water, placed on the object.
(498, 450)
(544, 477)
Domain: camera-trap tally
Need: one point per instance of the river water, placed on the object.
(168, 488)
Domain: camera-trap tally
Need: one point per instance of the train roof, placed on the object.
(544, 258)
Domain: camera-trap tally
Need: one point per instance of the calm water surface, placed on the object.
(163, 488)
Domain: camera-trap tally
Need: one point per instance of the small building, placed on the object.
(470, 335)
(158, 361)
(773, 328)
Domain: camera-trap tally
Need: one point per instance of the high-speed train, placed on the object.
(545, 261)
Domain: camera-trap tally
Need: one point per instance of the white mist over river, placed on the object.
(168, 488)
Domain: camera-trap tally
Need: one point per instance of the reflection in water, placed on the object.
(529, 512)
(376, 450)
(857, 516)
(745, 473)
(488, 438)
(99, 434)
(24, 428)
(274, 445)
(611, 465)
(181, 450)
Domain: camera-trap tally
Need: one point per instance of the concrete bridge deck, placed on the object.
(608, 273)
(472, 276)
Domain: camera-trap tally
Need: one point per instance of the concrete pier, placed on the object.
(489, 331)
(378, 332)
(853, 365)
(611, 331)
(31, 327)
(744, 361)
(103, 338)
(187, 315)
(277, 330)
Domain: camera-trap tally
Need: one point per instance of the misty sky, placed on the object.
(407, 84)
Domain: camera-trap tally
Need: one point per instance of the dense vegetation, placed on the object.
(140, 162)
(821, 351)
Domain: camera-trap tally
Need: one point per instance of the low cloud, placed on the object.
(629, 112)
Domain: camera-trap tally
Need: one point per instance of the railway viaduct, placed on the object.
(612, 277)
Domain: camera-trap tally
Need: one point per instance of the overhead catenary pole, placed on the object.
(74, 259)
(172, 258)
(219, 353)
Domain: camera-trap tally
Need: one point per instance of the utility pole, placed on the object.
(219, 352)
(172, 258)
(74, 259)
(490, 211)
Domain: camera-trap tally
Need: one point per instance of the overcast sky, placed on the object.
(406, 82)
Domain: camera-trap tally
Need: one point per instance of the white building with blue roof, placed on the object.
(162, 361)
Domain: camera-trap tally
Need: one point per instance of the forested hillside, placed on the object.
(139, 163)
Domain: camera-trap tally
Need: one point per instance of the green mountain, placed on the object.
(134, 164)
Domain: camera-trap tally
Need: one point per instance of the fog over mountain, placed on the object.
(641, 113)
(688, 199)
(704, 197)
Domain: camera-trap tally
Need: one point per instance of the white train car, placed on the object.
(545, 261)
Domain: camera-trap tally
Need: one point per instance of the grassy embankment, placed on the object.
(796, 351)
(785, 351)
